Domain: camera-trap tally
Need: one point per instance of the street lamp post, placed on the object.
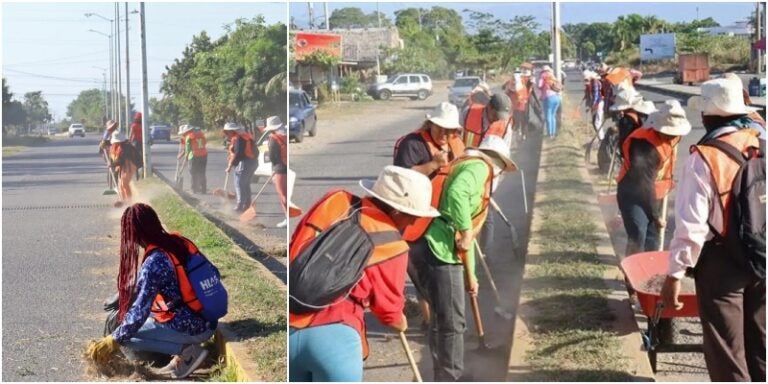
(111, 60)
(120, 119)
(127, 73)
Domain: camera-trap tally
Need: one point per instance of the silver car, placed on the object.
(461, 88)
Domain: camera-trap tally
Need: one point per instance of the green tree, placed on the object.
(88, 107)
(351, 17)
(164, 110)
(36, 109)
(13, 111)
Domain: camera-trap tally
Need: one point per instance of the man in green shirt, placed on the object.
(436, 256)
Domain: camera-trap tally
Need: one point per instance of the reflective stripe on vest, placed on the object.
(159, 309)
(416, 229)
(723, 170)
(331, 208)
(667, 152)
(198, 144)
(473, 126)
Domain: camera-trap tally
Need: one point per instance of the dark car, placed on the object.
(302, 116)
(160, 132)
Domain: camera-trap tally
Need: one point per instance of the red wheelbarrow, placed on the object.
(639, 269)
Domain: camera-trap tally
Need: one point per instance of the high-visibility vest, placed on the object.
(248, 145)
(667, 150)
(198, 143)
(160, 311)
(416, 229)
(329, 209)
(723, 170)
(473, 126)
(283, 143)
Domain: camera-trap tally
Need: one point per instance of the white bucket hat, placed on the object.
(645, 107)
(720, 97)
(625, 99)
(403, 189)
(232, 127)
(669, 119)
(185, 128)
(117, 137)
(445, 115)
(273, 123)
(495, 150)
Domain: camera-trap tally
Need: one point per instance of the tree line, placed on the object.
(23, 116)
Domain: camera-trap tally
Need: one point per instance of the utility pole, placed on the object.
(327, 17)
(144, 98)
(119, 72)
(311, 16)
(378, 14)
(127, 73)
(556, 40)
(104, 90)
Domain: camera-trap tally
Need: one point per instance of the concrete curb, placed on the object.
(227, 341)
(624, 324)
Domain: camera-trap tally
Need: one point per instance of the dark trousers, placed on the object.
(197, 170)
(520, 121)
(443, 286)
(642, 234)
(732, 311)
(243, 175)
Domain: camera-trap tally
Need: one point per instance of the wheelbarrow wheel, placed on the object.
(667, 330)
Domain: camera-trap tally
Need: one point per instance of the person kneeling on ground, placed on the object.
(328, 337)
(160, 318)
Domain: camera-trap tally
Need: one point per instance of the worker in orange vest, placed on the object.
(242, 157)
(480, 119)
(707, 245)
(195, 152)
(329, 342)
(278, 156)
(519, 94)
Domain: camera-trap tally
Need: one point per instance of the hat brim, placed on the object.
(271, 127)
(697, 103)
(619, 107)
(677, 130)
(444, 123)
(643, 109)
(490, 155)
(112, 126)
(367, 185)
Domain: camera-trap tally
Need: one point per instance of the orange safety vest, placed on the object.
(330, 208)
(248, 145)
(473, 126)
(723, 170)
(281, 140)
(159, 309)
(667, 150)
(198, 144)
(416, 230)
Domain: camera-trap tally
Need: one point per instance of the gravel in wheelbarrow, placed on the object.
(646, 272)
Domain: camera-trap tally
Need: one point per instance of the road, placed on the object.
(60, 258)
(359, 145)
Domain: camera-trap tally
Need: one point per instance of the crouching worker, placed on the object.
(178, 294)
(347, 255)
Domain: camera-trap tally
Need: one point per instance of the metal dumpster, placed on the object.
(692, 68)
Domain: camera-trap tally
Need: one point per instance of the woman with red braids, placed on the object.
(157, 320)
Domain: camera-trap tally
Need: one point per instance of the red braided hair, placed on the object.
(140, 226)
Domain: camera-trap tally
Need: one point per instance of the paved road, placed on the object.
(359, 146)
(60, 258)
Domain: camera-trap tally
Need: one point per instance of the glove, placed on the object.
(103, 350)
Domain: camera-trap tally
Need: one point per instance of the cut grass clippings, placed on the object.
(257, 309)
(564, 287)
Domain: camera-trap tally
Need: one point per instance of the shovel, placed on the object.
(512, 230)
(409, 355)
(250, 213)
(498, 309)
(662, 230)
(483, 346)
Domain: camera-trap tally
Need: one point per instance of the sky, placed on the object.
(570, 12)
(47, 46)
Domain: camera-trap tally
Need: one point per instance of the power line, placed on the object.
(59, 58)
(81, 80)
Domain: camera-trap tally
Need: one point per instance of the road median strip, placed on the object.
(574, 319)
(252, 337)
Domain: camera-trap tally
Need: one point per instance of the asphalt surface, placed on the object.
(60, 258)
(354, 147)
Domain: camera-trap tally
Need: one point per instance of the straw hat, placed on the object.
(111, 124)
(273, 123)
(496, 151)
(403, 189)
(669, 119)
(232, 127)
(625, 99)
(117, 137)
(720, 97)
(445, 115)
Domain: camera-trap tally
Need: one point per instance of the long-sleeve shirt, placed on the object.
(461, 200)
(157, 275)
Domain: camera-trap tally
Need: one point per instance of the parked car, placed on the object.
(74, 130)
(413, 85)
(159, 132)
(302, 115)
(462, 86)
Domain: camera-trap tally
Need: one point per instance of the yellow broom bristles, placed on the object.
(102, 351)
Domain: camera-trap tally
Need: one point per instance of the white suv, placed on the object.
(76, 130)
(413, 85)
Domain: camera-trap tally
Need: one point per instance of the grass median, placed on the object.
(13, 144)
(569, 318)
(257, 309)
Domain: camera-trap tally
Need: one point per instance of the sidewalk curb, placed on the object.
(227, 341)
(624, 323)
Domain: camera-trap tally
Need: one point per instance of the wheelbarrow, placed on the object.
(639, 269)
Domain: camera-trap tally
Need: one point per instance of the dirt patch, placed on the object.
(655, 282)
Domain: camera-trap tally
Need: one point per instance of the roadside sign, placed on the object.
(658, 46)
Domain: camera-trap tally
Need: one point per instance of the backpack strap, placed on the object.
(728, 149)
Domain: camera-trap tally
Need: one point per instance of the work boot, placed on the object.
(190, 358)
(282, 224)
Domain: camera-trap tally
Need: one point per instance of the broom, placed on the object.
(110, 177)
(250, 213)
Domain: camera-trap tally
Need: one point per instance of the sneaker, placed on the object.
(190, 358)
(170, 367)
(282, 224)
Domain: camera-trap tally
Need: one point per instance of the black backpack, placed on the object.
(746, 234)
(327, 269)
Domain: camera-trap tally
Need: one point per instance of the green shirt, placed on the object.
(461, 200)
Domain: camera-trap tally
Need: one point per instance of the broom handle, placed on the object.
(662, 230)
(487, 270)
(472, 298)
(226, 181)
(262, 188)
(409, 355)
